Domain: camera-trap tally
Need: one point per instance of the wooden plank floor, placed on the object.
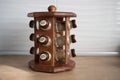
(87, 68)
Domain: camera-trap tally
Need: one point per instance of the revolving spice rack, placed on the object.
(52, 40)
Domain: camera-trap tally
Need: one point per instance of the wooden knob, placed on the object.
(32, 37)
(51, 8)
(32, 49)
(73, 53)
(31, 24)
(73, 40)
(74, 24)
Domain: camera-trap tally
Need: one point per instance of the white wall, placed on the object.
(98, 24)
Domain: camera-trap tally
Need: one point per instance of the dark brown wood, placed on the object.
(49, 48)
(52, 14)
(52, 69)
(67, 34)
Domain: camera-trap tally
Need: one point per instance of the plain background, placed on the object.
(98, 21)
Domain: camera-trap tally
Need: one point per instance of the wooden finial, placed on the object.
(51, 8)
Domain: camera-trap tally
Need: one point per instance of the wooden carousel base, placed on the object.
(51, 69)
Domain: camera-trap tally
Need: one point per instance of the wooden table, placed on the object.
(87, 68)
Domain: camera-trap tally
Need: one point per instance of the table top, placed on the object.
(15, 67)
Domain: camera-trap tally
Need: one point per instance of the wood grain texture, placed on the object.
(51, 14)
(87, 68)
(52, 69)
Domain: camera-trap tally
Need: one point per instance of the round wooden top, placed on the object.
(52, 13)
(51, 8)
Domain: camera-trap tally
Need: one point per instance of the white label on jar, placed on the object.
(37, 52)
(43, 22)
(37, 25)
(43, 56)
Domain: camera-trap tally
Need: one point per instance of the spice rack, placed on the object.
(52, 40)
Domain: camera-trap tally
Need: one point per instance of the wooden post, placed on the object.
(67, 44)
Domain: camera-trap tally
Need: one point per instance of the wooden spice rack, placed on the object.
(52, 40)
